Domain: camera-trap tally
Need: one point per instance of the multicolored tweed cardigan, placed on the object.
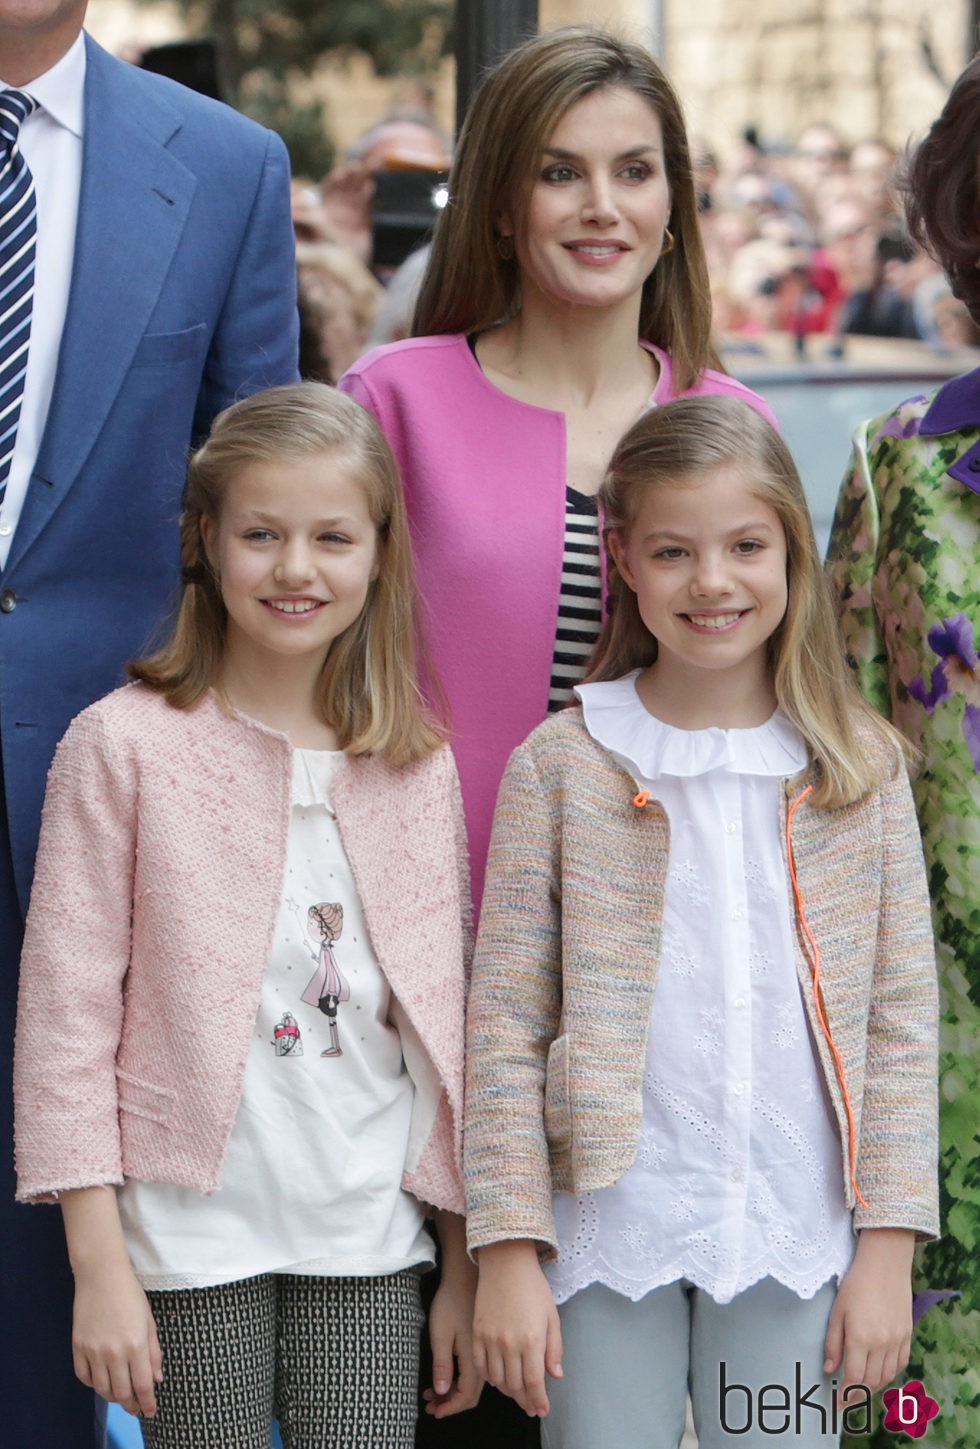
(566, 969)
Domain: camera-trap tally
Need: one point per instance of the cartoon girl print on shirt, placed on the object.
(327, 987)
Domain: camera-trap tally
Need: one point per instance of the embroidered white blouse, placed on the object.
(311, 1183)
(738, 1171)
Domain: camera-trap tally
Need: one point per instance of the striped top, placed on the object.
(580, 598)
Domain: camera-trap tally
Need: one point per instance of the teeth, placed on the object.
(713, 621)
(293, 606)
(598, 251)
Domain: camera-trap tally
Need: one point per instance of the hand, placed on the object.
(114, 1340)
(347, 195)
(870, 1330)
(516, 1332)
(456, 1385)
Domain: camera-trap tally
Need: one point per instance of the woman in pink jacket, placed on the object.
(567, 292)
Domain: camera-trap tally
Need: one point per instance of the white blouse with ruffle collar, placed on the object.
(738, 1172)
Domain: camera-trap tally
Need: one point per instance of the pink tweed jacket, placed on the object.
(155, 897)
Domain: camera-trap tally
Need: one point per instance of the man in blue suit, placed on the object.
(164, 289)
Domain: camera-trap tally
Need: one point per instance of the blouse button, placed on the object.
(974, 465)
(731, 828)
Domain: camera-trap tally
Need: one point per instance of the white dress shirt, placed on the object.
(738, 1172)
(51, 144)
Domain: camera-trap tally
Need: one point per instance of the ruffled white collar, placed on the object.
(617, 719)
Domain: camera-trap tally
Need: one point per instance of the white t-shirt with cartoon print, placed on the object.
(311, 1182)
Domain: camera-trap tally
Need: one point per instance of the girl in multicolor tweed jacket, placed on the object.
(239, 1060)
(701, 1082)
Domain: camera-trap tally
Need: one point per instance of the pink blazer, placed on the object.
(158, 881)
(484, 480)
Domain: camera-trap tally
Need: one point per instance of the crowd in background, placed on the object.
(808, 239)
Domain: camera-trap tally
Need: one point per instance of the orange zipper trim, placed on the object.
(818, 996)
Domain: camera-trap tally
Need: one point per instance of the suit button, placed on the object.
(8, 601)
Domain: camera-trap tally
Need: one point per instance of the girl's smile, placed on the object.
(706, 558)
(295, 553)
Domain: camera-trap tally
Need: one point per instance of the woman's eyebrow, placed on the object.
(633, 151)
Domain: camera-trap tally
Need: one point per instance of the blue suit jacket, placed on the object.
(183, 297)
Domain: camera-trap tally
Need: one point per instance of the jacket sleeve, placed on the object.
(851, 561)
(256, 341)
(437, 1179)
(73, 969)
(514, 1016)
(897, 1167)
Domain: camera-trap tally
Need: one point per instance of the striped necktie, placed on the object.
(18, 230)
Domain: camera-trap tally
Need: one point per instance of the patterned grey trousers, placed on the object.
(334, 1359)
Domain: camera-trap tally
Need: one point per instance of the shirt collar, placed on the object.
(955, 407)
(60, 91)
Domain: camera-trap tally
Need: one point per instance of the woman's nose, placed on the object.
(599, 204)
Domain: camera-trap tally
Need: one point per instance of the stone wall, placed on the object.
(873, 67)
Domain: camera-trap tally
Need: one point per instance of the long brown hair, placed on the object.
(468, 286)
(367, 690)
(674, 446)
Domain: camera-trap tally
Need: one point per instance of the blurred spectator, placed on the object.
(413, 142)
(704, 164)
(848, 236)
(767, 287)
(941, 318)
(819, 151)
(872, 168)
(860, 249)
(394, 319)
(952, 323)
(338, 302)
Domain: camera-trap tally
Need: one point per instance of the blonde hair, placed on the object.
(468, 286)
(367, 690)
(675, 445)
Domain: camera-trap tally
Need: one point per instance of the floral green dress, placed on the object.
(905, 560)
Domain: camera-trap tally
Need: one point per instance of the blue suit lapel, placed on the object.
(133, 205)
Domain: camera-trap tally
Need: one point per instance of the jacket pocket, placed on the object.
(557, 1101)
(142, 1099)
(164, 349)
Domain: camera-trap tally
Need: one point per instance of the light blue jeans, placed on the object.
(753, 1368)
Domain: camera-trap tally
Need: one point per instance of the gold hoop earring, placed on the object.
(505, 248)
(667, 245)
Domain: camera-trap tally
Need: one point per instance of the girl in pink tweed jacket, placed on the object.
(245, 1169)
(701, 1112)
